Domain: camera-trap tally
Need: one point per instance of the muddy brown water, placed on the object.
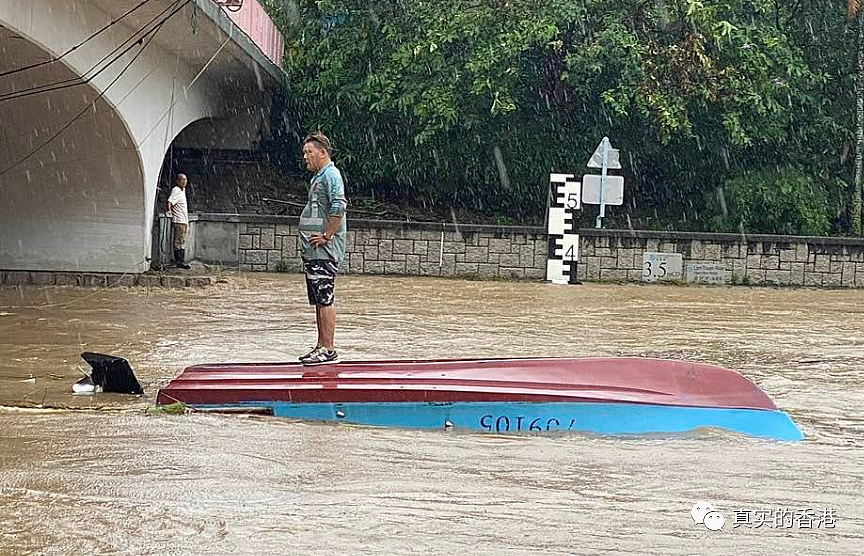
(112, 480)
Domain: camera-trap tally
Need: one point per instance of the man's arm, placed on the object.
(317, 240)
(169, 203)
(333, 227)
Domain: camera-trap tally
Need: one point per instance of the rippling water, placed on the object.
(111, 480)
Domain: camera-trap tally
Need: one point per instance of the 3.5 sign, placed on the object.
(661, 266)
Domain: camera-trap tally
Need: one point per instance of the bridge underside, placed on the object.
(82, 193)
(79, 162)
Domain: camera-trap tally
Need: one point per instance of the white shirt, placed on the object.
(179, 211)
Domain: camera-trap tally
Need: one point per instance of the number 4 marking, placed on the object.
(570, 247)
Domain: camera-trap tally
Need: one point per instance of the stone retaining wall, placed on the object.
(610, 255)
(269, 243)
(99, 279)
(396, 248)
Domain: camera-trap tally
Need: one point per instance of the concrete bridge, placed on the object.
(92, 95)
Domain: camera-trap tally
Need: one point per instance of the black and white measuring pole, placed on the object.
(561, 265)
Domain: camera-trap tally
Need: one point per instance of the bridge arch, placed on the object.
(79, 162)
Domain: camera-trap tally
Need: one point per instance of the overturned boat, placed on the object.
(602, 395)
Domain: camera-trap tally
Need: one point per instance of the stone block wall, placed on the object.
(413, 249)
(99, 279)
(270, 243)
(616, 255)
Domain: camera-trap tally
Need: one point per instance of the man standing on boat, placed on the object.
(322, 242)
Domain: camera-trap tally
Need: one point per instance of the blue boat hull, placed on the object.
(528, 417)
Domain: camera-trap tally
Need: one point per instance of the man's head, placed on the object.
(316, 151)
(181, 181)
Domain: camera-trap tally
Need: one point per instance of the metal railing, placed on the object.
(254, 21)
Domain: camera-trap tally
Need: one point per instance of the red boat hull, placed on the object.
(604, 379)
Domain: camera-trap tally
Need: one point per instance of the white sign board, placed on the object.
(657, 267)
(612, 159)
(614, 194)
(707, 273)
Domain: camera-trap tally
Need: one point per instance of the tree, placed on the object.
(854, 11)
(471, 103)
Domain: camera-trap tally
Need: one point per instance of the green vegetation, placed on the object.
(731, 115)
(176, 408)
(776, 201)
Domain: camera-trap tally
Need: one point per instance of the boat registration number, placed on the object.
(506, 423)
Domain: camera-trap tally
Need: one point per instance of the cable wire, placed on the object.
(77, 46)
(153, 32)
(77, 81)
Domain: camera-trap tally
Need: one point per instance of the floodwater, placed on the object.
(95, 475)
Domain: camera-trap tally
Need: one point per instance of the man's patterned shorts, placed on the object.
(320, 281)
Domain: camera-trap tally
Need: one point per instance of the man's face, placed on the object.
(313, 156)
(181, 181)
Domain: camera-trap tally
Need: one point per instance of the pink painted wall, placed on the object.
(252, 18)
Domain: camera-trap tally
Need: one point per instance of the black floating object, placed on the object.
(113, 374)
